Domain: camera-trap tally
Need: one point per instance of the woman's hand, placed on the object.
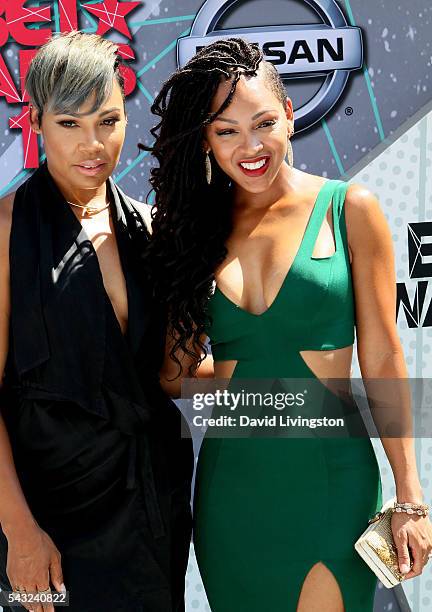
(33, 562)
(412, 534)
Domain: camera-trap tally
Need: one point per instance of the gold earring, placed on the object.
(208, 168)
(290, 153)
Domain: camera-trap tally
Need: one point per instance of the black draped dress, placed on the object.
(96, 443)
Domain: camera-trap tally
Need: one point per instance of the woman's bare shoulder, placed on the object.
(307, 184)
(366, 222)
(361, 204)
(6, 207)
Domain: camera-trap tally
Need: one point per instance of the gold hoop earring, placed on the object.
(208, 168)
(290, 153)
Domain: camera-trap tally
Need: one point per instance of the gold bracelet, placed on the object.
(410, 508)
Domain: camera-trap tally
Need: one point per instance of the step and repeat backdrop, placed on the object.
(359, 73)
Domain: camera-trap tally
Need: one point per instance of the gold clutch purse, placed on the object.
(377, 548)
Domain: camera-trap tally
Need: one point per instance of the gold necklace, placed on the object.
(89, 210)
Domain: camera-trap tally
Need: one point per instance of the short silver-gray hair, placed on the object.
(70, 68)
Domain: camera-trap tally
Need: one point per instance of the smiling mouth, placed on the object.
(255, 168)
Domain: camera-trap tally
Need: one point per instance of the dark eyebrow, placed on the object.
(267, 110)
(110, 110)
(253, 118)
(105, 112)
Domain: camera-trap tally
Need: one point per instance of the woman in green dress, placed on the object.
(279, 268)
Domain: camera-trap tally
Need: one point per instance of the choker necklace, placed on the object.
(89, 210)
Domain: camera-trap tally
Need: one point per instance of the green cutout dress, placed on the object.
(267, 509)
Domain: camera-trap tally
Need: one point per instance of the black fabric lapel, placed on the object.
(132, 237)
(59, 299)
(58, 304)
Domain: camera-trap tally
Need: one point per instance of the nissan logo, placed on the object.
(330, 49)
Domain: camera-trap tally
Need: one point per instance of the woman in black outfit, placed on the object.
(94, 476)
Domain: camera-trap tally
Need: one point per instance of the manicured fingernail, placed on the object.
(404, 568)
(62, 588)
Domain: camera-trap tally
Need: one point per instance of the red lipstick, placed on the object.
(262, 163)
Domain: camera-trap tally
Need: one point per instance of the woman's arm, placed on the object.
(380, 352)
(14, 511)
(379, 348)
(33, 560)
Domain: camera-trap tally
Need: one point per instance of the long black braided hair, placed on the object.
(191, 219)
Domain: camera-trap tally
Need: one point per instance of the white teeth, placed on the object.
(255, 166)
